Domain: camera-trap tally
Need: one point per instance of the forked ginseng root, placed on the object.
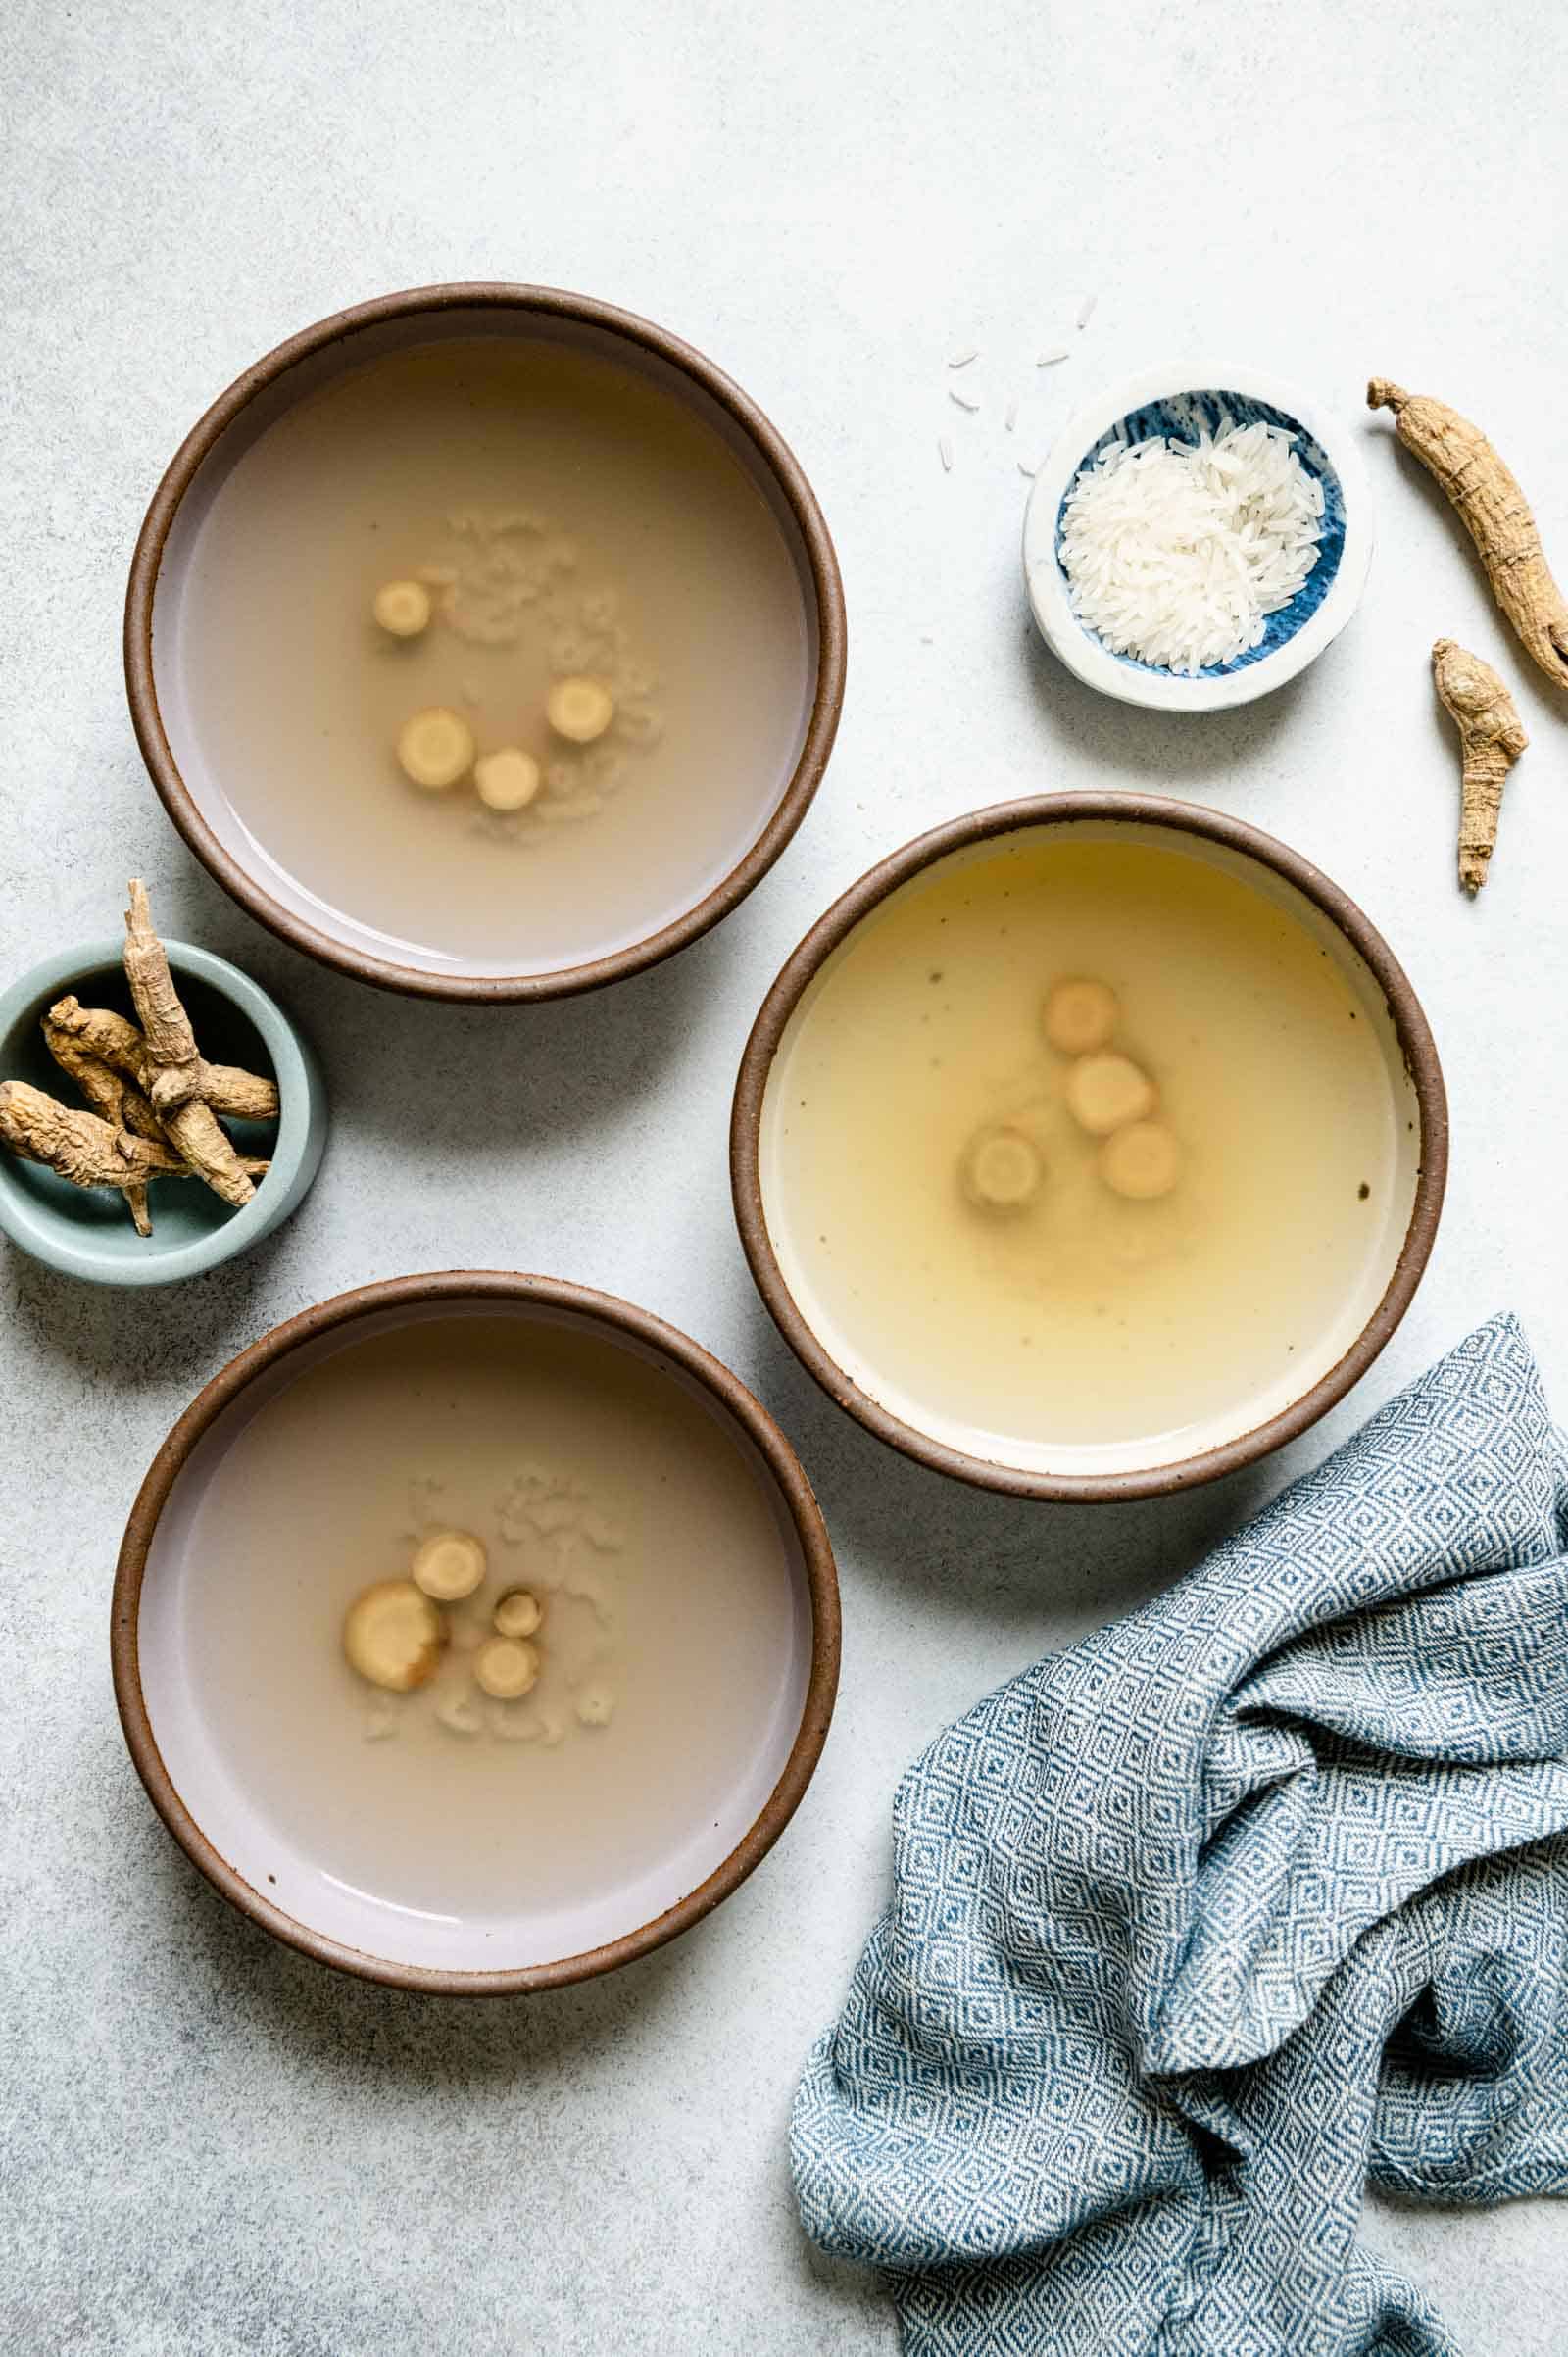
(1491, 741)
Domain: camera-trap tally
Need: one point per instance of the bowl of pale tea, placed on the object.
(485, 642)
(1090, 1147)
(475, 1633)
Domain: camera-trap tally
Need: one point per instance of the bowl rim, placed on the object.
(605, 1312)
(296, 1148)
(826, 587)
(1166, 691)
(806, 961)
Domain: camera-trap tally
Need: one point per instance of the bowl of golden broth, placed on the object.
(475, 1633)
(1090, 1147)
(486, 642)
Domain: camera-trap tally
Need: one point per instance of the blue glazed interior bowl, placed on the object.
(87, 1231)
(1179, 406)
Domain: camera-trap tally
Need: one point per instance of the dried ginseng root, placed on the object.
(1496, 515)
(176, 1067)
(1491, 741)
(89, 1151)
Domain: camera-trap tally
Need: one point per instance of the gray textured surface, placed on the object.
(212, 2147)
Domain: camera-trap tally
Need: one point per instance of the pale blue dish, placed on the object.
(88, 1232)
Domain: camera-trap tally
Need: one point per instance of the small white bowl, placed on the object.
(1177, 402)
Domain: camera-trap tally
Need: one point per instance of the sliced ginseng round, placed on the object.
(1001, 1169)
(436, 748)
(506, 780)
(393, 1635)
(1142, 1160)
(449, 1566)
(505, 1667)
(401, 607)
(1106, 1092)
(516, 1613)
(579, 709)
(1080, 1017)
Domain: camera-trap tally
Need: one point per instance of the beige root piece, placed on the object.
(1491, 741)
(1001, 1170)
(115, 1099)
(1106, 1092)
(86, 1150)
(1496, 515)
(402, 609)
(450, 1565)
(393, 1636)
(517, 1613)
(579, 709)
(505, 1667)
(435, 748)
(115, 1040)
(1080, 1017)
(1140, 1161)
(173, 1060)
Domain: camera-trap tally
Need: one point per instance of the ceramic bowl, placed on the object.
(160, 585)
(1354, 1329)
(88, 1232)
(262, 1848)
(1177, 404)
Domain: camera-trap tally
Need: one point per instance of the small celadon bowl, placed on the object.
(87, 1231)
(1179, 403)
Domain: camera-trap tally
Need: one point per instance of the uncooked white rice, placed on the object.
(1048, 360)
(962, 399)
(1012, 419)
(944, 453)
(963, 356)
(1177, 553)
(1086, 310)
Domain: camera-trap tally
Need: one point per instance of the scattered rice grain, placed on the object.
(1086, 310)
(963, 356)
(944, 452)
(1012, 419)
(1048, 360)
(962, 400)
(1024, 467)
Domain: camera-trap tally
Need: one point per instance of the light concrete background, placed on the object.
(213, 2146)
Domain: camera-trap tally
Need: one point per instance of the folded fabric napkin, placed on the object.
(1260, 1894)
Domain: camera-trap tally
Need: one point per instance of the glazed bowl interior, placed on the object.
(824, 1295)
(1176, 407)
(589, 903)
(245, 1721)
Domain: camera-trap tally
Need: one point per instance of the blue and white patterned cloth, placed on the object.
(1254, 1895)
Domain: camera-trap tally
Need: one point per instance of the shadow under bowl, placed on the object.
(261, 1832)
(1178, 406)
(834, 1336)
(165, 588)
(88, 1232)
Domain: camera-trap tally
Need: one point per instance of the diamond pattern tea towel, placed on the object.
(1260, 1894)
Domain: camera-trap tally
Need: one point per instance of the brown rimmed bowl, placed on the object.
(1251, 1428)
(259, 1857)
(192, 791)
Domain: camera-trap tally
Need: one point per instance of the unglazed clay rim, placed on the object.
(1416, 1044)
(419, 982)
(607, 1314)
